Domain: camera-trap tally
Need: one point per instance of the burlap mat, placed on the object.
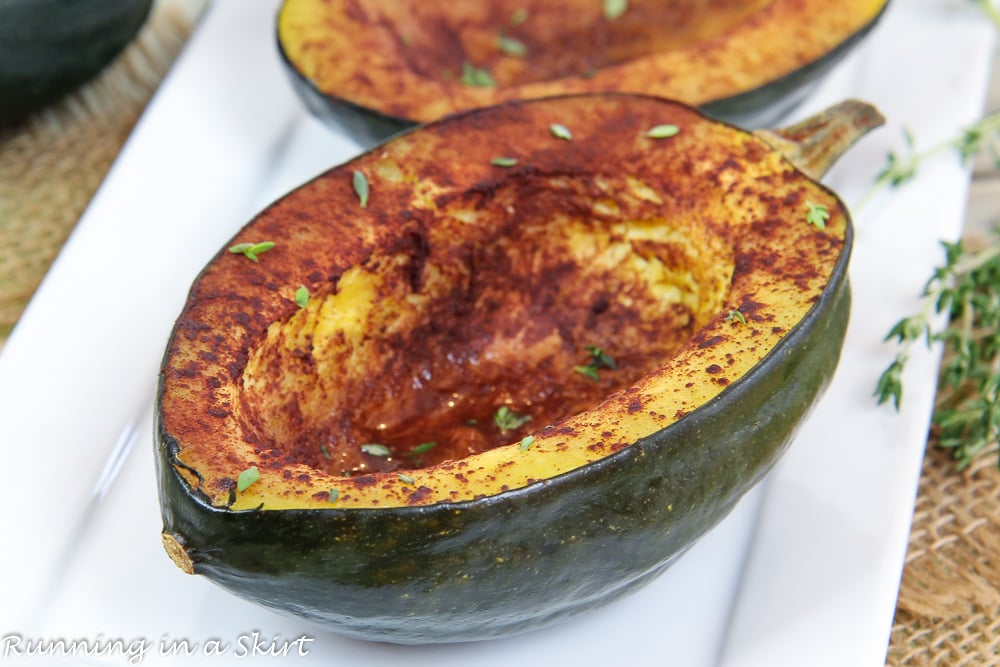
(50, 167)
(949, 605)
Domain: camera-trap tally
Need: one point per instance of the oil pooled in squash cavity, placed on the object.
(447, 348)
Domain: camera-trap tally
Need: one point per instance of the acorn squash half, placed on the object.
(373, 67)
(504, 367)
(49, 47)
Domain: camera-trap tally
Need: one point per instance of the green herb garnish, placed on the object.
(477, 77)
(334, 494)
(560, 132)
(511, 46)
(325, 452)
(817, 215)
(735, 316)
(302, 296)
(423, 448)
(508, 420)
(503, 161)
(662, 131)
(360, 182)
(406, 479)
(901, 168)
(526, 442)
(375, 449)
(519, 16)
(966, 289)
(599, 357)
(251, 250)
(246, 478)
(614, 9)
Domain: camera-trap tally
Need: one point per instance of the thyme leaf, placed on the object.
(508, 420)
(423, 448)
(600, 358)
(511, 46)
(560, 132)
(735, 316)
(663, 131)
(251, 250)
(477, 77)
(615, 9)
(246, 478)
(376, 449)
(302, 296)
(817, 215)
(361, 188)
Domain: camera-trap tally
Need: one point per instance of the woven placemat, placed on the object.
(948, 610)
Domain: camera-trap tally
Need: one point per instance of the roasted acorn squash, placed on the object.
(49, 47)
(502, 368)
(376, 66)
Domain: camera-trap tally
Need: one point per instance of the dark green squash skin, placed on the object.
(567, 544)
(49, 47)
(761, 107)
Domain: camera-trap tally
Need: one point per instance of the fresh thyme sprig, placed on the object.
(965, 290)
(983, 135)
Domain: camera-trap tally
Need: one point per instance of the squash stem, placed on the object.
(814, 144)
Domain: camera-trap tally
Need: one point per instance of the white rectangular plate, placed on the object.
(805, 571)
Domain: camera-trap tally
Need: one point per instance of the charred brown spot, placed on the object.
(711, 342)
(418, 496)
(363, 481)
